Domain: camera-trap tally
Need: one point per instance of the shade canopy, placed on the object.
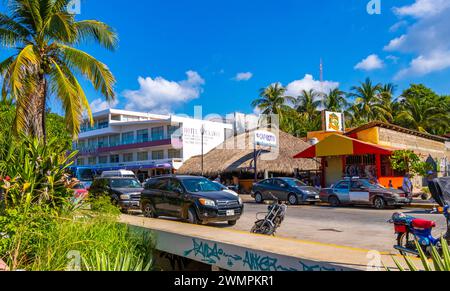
(339, 145)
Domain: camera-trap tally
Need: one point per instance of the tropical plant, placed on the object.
(308, 103)
(335, 100)
(409, 162)
(44, 35)
(439, 262)
(366, 96)
(37, 173)
(423, 110)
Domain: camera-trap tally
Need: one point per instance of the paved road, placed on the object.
(349, 226)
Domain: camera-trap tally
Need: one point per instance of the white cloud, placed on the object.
(372, 62)
(295, 88)
(243, 76)
(427, 39)
(422, 65)
(99, 105)
(161, 96)
(423, 8)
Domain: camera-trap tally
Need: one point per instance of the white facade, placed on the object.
(148, 144)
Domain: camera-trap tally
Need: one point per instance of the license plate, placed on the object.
(230, 212)
(317, 196)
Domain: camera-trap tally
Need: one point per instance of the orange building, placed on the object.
(366, 150)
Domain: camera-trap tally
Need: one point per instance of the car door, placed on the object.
(267, 189)
(161, 203)
(280, 189)
(359, 194)
(342, 191)
(175, 198)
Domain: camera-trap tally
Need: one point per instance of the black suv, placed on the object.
(195, 199)
(124, 192)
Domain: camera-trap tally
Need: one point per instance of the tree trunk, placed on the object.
(37, 111)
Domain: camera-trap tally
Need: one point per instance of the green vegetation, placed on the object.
(45, 63)
(41, 229)
(439, 261)
(409, 162)
(418, 107)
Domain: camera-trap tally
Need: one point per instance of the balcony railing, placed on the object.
(93, 148)
(95, 127)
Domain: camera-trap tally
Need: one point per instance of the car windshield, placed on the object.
(201, 185)
(125, 183)
(294, 182)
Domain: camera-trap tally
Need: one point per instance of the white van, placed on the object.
(118, 174)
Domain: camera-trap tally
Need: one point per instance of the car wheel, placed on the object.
(149, 211)
(334, 201)
(192, 217)
(293, 199)
(232, 222)
(259, 198)
(379, 203)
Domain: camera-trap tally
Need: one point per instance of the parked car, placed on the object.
(358, 191)
(285, 189)
(124, 192)
(119, 173)
(195, 199)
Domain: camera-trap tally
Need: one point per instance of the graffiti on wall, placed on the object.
(213, 254)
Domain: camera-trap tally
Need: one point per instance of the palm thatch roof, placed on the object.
(236, 155)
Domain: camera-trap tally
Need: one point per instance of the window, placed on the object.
(157, 133)
(172, 129)
(142, 156)
(103, 124)
(92, 160)
(114, 140)
(174, 154)
(157, 155)
(142, 135)
(128, 137)
(343, 185)
(267, 182)
(103, 142)
(127, 158)
(162, 184)
(80, 162)
(92, 143)
(103, 160)
(81, 145)
(114, 159)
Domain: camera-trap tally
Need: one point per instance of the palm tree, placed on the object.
(386, 108)
(272, 100)
(335, 100)
(46, 62)
(366, 96)
(308, 103)
(423, 115)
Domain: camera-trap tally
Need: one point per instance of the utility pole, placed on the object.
(203, 164)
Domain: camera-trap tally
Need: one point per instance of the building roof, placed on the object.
(339, 145)
(396, 128)
(223, 160)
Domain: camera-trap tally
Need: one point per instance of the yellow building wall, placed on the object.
(333, 171)
(371, 135)
(320, 135)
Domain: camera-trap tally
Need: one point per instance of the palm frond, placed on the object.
(98, 31)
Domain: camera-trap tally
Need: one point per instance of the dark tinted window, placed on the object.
(279, 183)
(162, 184)
(266, 182)
(175, 185)
(151, 184)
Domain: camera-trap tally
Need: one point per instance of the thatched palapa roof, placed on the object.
(236, 155)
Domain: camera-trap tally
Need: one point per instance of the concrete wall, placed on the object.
(333, 171)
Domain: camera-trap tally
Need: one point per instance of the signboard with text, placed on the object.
(266, 139)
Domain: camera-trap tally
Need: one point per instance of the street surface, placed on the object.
(356, 227)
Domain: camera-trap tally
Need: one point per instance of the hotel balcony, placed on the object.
(131, 144)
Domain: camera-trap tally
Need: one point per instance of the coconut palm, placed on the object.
(335, 100)
(366, 96)
(386, 108)
(272, 100)
(308, 103)
(46, 63)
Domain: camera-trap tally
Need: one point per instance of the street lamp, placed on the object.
(202, 131)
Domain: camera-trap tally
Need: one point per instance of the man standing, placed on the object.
(408, 185)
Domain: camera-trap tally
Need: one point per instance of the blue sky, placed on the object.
(190, 53)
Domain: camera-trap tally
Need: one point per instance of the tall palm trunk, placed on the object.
(35, 123)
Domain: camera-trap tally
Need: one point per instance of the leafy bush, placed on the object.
(409, 162)
(37, 240)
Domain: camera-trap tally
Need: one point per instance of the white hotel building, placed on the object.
(147, 144)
